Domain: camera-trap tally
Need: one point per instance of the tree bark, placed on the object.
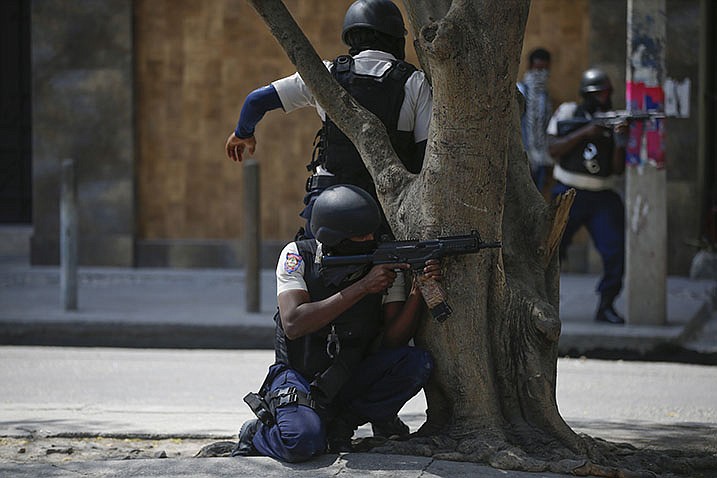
(492, 396)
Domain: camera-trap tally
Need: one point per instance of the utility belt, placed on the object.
(323, 388)
(264, 406)
(320, 182)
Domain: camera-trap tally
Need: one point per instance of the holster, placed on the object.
(260, 408)
(265, 403)
(326, 386)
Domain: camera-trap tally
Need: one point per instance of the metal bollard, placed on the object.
(68, 236)
(252, 231)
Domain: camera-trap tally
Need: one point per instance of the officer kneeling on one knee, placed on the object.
(342, 354)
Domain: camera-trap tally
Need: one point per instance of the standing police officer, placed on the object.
(375, 74)
(342, 354)
(587, 157)
(534, 121)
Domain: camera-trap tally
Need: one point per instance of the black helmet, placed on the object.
(343, 211)
(594, 80)
(381, 15)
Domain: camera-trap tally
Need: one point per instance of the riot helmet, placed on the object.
(380, 15)
(343, 211)
(594, 80)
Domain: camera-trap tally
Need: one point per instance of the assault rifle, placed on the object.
(416, 253)
(607, 119)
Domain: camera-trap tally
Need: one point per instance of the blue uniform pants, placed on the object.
(603, 214)
(383, 383)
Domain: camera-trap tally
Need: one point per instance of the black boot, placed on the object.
(339, 434)
(245, 445)
(606, 313)
(392, 428)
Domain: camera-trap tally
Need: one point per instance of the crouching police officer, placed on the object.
(342, 354)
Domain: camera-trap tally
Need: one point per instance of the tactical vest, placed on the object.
(382, 96)
(591, 157)
(356, 329)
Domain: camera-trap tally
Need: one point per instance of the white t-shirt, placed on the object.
(290, 274)
(415, 112)
(564, 112)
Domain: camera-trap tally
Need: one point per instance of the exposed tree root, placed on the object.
(603, 458)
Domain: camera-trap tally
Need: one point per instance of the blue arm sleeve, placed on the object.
(255, 106)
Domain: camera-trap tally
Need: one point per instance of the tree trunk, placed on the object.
(492, 396)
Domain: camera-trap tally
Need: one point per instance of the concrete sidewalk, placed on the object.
(325, 466)
(206, 309)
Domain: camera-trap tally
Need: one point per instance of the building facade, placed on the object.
(142, 94)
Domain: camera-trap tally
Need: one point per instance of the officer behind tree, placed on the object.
(375, 74)
(342, 354)
(587, 157)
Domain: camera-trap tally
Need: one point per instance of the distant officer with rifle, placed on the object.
(376, 75)
(342, 354)
(589, 151)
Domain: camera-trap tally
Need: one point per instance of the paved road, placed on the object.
(188, 393)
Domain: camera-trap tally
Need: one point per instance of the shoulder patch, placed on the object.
(292, 262)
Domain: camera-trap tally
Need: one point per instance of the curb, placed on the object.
(115, 334)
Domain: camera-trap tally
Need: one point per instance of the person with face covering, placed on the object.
(587, 159)
(534, 121)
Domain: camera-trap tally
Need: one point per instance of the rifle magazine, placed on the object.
(435, 298)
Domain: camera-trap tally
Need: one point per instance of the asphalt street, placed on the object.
(197, 393)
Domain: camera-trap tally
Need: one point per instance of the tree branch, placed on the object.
(420, 15)
(562, 206)
(364, 129)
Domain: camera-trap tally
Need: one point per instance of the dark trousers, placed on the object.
(540, 175)
(383, 384)
(603, 214)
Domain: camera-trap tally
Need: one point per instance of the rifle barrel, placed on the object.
(347, 260)
(414, 252)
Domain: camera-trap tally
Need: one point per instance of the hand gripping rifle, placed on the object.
(416, 253)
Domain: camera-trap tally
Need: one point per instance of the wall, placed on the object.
(607, 50)
(562, 28)
(196, 62)
(172, 76)
(581, 34)
(684, 175)
(82, 108)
